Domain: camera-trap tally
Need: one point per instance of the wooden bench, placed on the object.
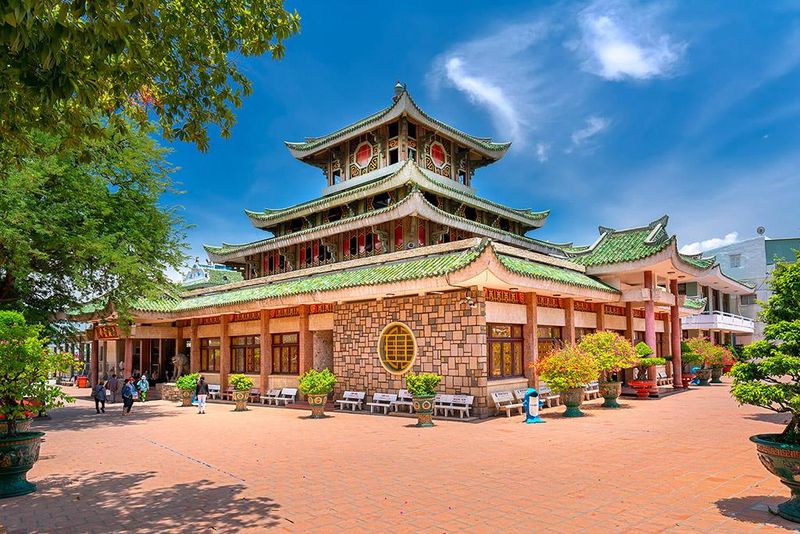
(404, 399)
(592, 391)
(461, 404)
(504, 402)
(270, 396)
(213, 391)
(383, 401)
(352, 399)
(545, 393)
(441, 403)
(286, 395)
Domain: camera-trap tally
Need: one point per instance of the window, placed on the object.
(285, 354)
(393, 129)
(748, 300)
(736, 260)
(336, 176)
(462, 176)
(209, 354)
(394, 156)
(412, 130)
(662, 348)
(397, 348)
(580, 332)
(549, 339)
(505, 350)
(412, 154)
(246, 354)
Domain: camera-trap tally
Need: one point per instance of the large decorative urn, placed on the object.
(703, 376)
(783, 461)
(186, 397)
(423, 405)
(240, 397)
(317, 402)
(572, 399)
(17, 455)
(716, 375)
(610, 391)
(642, 387)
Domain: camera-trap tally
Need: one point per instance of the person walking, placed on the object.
(128, 390)
(143, 385)
(99, 395)
(113, 386)
(201, 392)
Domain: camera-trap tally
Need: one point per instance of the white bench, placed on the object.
(592, 391)
(404, 398)
(461, 404)
(213, 391)
(352, 399)
(270, 396)
(550, 399)
(504, 402)
(228, 393)
(383, 401)
(442, 403)
(286, 395)
(662, 379)
(255, 394)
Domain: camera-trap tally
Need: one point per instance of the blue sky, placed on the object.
(619, 111)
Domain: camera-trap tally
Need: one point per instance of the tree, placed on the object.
(769, 375)
(65, 60)
(612, 352)
(84, 224)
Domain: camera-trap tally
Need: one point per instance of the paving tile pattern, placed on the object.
(679, 464)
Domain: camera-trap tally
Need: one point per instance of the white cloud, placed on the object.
(594, 126)
(542, 152)
(618, 41)
(709, 244)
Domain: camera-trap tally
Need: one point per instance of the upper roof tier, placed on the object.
(402, 104)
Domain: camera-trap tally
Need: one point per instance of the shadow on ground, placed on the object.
(755, 509)
(770, 417)
(126, 504)
(82, 415)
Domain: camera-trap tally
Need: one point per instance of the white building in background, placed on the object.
(751, 261)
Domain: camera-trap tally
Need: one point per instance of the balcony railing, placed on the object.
(719, 320)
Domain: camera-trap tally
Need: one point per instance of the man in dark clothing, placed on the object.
(201, 392)
(113, 387)
(99, 395)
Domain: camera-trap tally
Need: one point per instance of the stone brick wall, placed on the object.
(451, 341)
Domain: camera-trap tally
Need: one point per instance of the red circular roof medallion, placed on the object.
(437, 154)
(363, 154)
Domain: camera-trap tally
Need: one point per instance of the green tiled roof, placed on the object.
(314, 142)
(698, 261)
(620, 247)
(214, 276)
(543, 271)
(697, 303)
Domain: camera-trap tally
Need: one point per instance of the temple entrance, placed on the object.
(323, 349)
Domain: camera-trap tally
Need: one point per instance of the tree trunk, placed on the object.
(791, 434)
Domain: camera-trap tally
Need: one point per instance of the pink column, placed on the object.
(675, 319)
(650, 324)
(94, 362)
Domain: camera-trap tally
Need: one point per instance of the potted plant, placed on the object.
(643, 385)
(723, 358)
(613, 353)
(689, 360)
(316, 385)
(25, 365)
(709, 355)
(567, 371)
(423, 388)
(242, 384)
(769, 377)
(187, 385)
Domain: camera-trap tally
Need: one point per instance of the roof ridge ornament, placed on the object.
(399, 89)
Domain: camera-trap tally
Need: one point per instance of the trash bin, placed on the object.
(83, 382)
(531, 404)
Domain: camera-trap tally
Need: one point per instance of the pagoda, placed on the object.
(400, 266)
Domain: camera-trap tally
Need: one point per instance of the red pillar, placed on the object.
(94, 362)
(530, 335)
(675, 338)
(128, 357)
(265, 368)
(194, 349)
(225, 352)
(650, 324)
(569, 321)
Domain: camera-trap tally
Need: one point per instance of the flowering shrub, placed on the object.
(611, 351)
(315, 382)
(714, 356)
(568, 368)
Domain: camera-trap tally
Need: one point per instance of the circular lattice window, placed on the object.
(397, 348)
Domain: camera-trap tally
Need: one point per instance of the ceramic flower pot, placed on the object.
(240, 397)
(423, 405)
(17, 456)
(317, 402)
(703, 376)
(186, 397)
(686, 379)
(572, 399)
(642, 388)
(716, 375)
(783, 461)
(610, 391)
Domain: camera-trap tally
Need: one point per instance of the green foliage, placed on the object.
(175, 60)
(422, 384)
(187, 381)
(769, 373)
(611, 351)
(568, 368)
(715, 356)
(315, 382)
(25, 365)
(688, 356)
(643, 350)
(241, 382)
(81, 225)
(650, 362)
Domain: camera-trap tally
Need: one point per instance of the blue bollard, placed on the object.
(532, 404)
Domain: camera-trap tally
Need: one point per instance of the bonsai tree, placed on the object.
(689, 358)
(423, 384)
(315, 382)
(187, 382)
(568, 368)
(711, 355)
(769, 375)
(241, 382)
(25, 365)
(646, 360)
(612, 352)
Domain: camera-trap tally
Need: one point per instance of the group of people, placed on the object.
(132, 388)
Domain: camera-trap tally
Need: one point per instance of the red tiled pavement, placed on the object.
(682, 463)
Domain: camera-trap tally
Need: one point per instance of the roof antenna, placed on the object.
(761, 230)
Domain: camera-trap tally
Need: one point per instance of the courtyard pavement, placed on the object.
(682, 464)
